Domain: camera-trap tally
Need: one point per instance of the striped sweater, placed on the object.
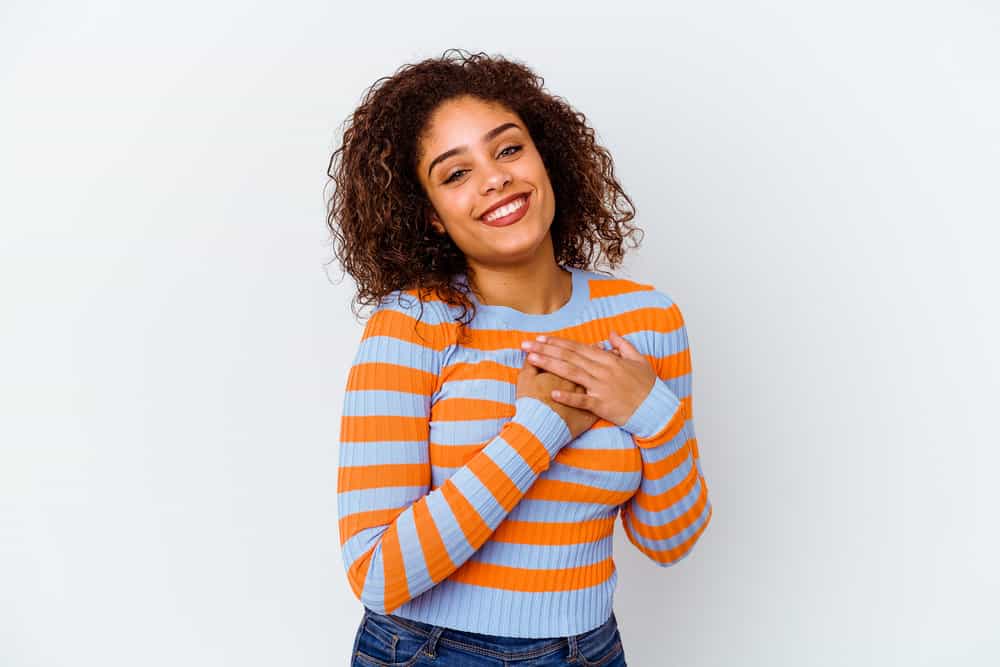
(463, 506)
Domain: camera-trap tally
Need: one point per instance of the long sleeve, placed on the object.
(398, 537)
(671, 509)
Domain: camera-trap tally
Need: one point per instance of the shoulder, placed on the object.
(415, 318)
(628, 294)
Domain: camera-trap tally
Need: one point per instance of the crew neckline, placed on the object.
(562, 316)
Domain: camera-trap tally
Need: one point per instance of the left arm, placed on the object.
(671, 509)
(650, 398)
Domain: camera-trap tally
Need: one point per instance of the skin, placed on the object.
(515, 266)
(510, 266)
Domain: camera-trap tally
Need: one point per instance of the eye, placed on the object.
(514, 148)
(453, 175)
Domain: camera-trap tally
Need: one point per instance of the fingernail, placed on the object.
(540, 339)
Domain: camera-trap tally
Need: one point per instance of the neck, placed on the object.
(536, 289)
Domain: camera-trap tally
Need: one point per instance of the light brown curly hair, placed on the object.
(379, 214)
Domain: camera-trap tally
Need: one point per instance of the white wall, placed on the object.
(818, 186)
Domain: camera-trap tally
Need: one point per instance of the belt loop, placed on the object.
(574, 650)
(430, 648)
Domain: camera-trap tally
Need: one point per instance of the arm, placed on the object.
(398, 537)
(671, 508)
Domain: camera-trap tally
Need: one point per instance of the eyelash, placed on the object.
(516, 147)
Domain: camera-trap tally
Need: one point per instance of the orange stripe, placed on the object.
(475, 529)
(352, 524)
(656, 318)
(397, 591)
(402, 326)
(387, 376)
(456, 456)
(615, 286)
(668, 464)
(617, 460)
(453, 456)
(554, 489)
(670, 430)
(352, 478)
(496, 481)
(527, 445)
(358, 572)
(481, 370)
(606, 460)
(675, 553)
(655, 503)
(371, 428)
(675, 525)
(533, 581)
(439, 563)
(462, 409)
(675, 365)
(548, 532)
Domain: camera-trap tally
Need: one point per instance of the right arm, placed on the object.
(398, 538)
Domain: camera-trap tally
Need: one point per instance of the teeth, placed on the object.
(505, 210)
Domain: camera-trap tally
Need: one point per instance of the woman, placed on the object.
(482, 467)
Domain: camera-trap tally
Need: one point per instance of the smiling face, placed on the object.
(494, 159)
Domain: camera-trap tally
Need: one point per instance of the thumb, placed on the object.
(624, 348)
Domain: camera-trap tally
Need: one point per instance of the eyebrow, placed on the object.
(461, 149)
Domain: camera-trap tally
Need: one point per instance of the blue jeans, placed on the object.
(391, 641)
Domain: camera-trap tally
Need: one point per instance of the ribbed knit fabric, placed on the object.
(464, 507)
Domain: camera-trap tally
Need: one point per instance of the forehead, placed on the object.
(462, 121)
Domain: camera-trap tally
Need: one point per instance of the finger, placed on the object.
(571, 398)
(564, 369)
(592, 351)
(623, 347)
(587, 357)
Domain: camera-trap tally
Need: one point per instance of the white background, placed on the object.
(818, 184)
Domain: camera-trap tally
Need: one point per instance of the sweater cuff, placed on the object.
(545, 423)
(654, 413)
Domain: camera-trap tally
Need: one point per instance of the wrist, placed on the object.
(655, 412)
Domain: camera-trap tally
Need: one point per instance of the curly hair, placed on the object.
(379, 214)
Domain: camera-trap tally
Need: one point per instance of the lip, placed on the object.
(511, 218)
(502, 202)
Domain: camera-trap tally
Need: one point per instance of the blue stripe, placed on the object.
(382, 498)
(379, 402)
(396, 351)
(545, 556)
(669, 513)
(383, 452)
(674, 541)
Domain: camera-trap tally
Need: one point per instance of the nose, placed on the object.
(496, 179)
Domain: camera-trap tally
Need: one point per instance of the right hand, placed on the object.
(539, 384)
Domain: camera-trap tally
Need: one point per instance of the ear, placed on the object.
(436, 224)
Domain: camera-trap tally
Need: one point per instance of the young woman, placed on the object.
(506, 402)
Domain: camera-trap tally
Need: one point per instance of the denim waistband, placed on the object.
(511, 648)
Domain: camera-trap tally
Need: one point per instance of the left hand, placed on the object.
(616, 381)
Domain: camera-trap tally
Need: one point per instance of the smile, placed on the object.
(508, 214)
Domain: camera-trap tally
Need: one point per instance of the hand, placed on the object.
(615, 382)
(540, 384)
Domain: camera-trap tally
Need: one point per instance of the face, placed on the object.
(495, 158)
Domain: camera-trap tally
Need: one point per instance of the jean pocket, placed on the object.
(604, 655)
(385, 643)
(601, 645)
